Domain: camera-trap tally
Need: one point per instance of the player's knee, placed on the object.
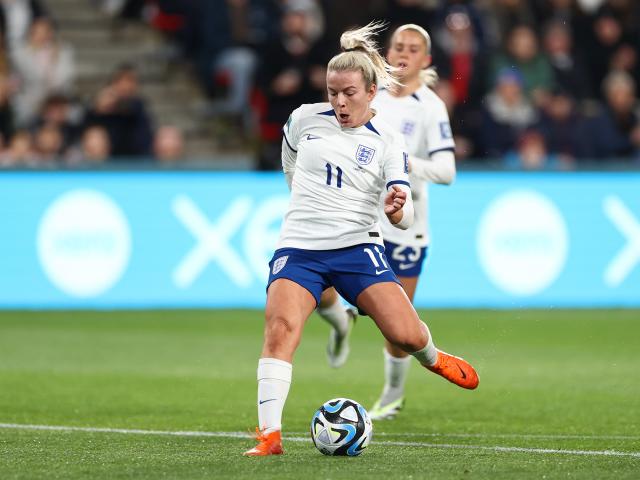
(410, 341)
(279, 328)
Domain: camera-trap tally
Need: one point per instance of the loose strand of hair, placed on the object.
(361, 40)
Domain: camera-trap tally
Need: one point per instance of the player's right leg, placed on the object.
(288, 306)
(341, 318)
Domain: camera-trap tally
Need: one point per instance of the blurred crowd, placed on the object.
(529, 84)
(42, 121)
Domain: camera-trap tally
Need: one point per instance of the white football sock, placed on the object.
(274, 379)
(336, 316)
(429, 354)
(395, 376)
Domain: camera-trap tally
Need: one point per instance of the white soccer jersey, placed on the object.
(338, 177)
(423, 120)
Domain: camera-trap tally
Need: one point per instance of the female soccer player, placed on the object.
(415, 111)
(337, 159)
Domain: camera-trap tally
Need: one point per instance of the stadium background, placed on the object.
(139, 153)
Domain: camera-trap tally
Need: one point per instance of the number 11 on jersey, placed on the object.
(338, 176)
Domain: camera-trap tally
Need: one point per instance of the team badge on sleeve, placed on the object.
(279, 264)
(445, 130)
(364, 155)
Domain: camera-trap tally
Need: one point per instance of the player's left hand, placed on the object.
(395, 200)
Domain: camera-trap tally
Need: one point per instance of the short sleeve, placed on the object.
(291, 130)
(438, 129)
(290, 135)
(396, 162)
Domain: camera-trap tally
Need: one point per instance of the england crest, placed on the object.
(364, 154)
(408, 127)
(279, 264)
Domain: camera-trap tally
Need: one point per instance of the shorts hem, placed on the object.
(317, 299)
(364, 287)
(355, 300)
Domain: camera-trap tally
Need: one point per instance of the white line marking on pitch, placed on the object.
(59, 428)
(551, 436)
(607, 453)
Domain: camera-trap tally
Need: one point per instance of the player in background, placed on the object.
(338, 158)
(414, 110)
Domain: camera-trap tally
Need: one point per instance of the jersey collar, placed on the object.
(369, 125)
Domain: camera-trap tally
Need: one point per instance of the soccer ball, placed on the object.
(341, 427)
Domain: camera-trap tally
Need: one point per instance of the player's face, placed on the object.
(350, 97)
(408, 52)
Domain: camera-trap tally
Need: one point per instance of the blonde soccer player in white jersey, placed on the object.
(338, 158)
(414, 110)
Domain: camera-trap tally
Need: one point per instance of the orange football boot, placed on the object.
(268, 444)
(456, 370)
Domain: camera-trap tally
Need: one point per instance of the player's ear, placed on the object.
(426, 62)
(373, 89)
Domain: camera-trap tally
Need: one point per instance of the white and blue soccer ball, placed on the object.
(341, 427)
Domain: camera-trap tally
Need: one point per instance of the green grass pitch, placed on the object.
(559, 397)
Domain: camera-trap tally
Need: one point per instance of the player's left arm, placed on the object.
(398, 203)
(440, 164)
(395, 207)
(439, 168)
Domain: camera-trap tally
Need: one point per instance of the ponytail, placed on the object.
(360, 52)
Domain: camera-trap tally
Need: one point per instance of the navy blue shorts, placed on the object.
(404, 260)
(350, 270)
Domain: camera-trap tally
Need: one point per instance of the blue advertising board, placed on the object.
(183, 239)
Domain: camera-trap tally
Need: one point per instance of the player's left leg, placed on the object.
(341, 318)
(398, 321)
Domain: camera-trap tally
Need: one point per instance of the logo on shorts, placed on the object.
(364, 154)
(279, 264)
(406, 266)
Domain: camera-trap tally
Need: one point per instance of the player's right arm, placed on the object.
(291, 134)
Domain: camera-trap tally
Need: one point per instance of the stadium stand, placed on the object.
(554, 77)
